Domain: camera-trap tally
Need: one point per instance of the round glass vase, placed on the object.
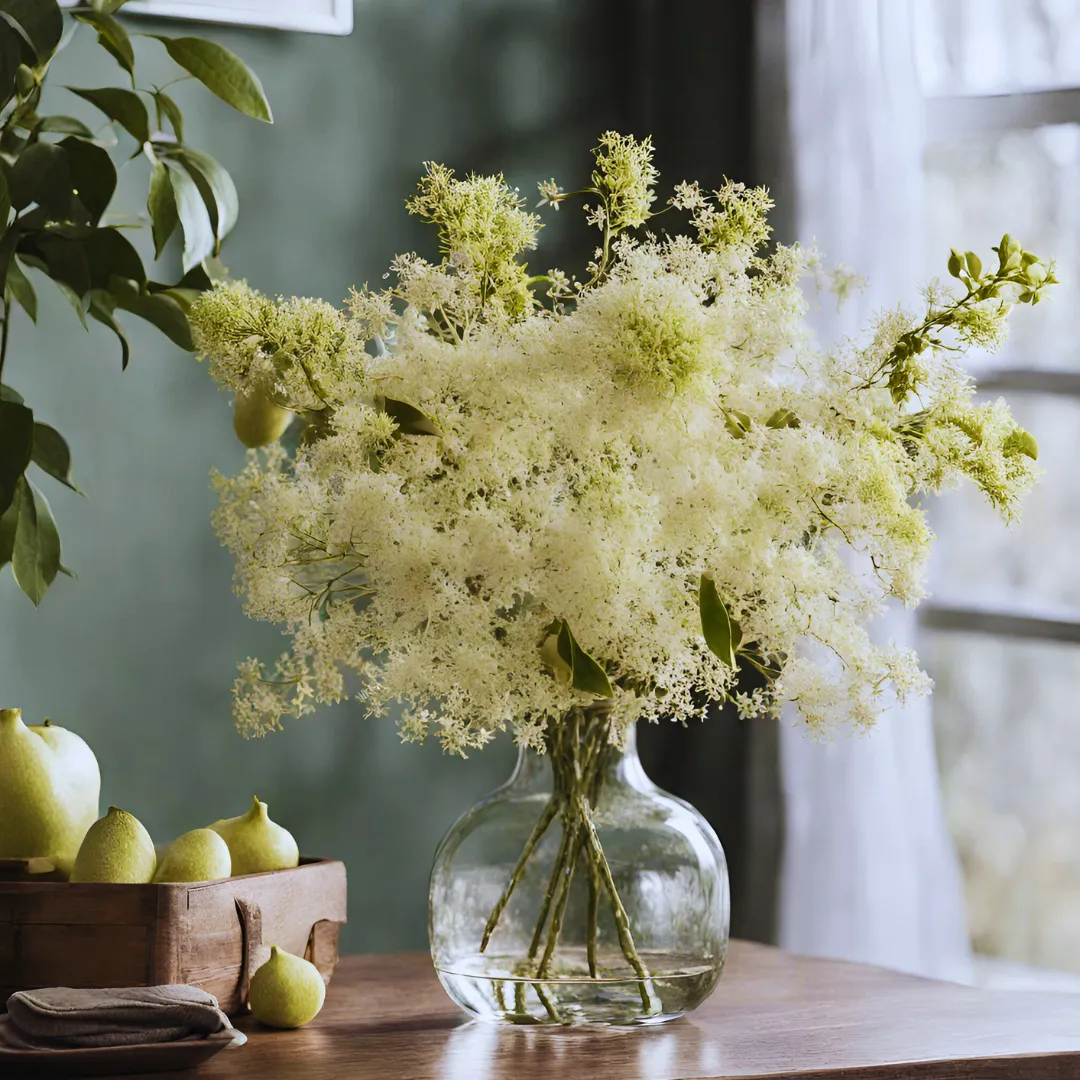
(579, 892)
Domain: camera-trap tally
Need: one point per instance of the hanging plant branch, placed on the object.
(57, 182)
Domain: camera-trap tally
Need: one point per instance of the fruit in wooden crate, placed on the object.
(118, 849)
(199, 855)
(286, 992)
(256, 843)
(49, 789)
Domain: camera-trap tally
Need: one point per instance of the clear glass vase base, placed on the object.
(494, 989)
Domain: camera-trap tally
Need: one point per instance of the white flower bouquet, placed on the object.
(511, 496)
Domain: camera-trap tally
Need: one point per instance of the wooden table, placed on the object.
(773, 1015)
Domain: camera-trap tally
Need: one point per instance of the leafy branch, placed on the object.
(57, 182)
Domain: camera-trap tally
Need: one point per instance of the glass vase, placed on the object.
(579, 892)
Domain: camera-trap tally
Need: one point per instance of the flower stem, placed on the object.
(580, 751)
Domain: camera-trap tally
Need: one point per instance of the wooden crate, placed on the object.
(210, 934)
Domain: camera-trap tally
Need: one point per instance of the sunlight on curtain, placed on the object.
(869, 870)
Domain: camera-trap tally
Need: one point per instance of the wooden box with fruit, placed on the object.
(88, 902)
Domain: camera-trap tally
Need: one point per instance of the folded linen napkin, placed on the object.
(60, 1018)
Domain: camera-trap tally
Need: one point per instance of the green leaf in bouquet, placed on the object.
(721, 633)
(158, 308)
(161, 206)
(39, 22)
(167, 109)
(123, 106)
(10, 58)
(52, 455)
(585, 673)
(110, 254)
(409, 419)
(93, 175)
(111, 36)
(222, 72)
(9, 393)
(199, 239)
(101, 308)
(41, 174)
(16, 447)
(5, 200)
(9, 521)
(216, 187)
(18, 285)
(63, 125)
(35, 556)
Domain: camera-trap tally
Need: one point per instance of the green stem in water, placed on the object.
(541, 827)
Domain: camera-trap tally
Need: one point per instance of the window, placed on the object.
(1002, 630)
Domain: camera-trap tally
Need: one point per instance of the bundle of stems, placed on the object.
(581, 749)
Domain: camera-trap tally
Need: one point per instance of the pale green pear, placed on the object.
(49, 788)
(199, 855)
(256, 843)
(259, 421)
(286, 992)
(117, 848)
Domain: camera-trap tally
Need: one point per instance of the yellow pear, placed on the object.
(286, 992)
(199, 855)
(258, 421)
(256, 843)
(49, 788)
(117, 848)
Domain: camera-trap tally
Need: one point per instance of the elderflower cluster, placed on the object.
(648, 487)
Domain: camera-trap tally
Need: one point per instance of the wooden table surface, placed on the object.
(773, 1015)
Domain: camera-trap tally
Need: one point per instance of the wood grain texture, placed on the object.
(87, 935)
(774, 1016)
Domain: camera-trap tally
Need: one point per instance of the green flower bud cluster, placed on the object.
(977, 318)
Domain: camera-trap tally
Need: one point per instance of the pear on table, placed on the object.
(256, 843)
(286, 992)
(49, 789)
(118, 849)
(199, 855)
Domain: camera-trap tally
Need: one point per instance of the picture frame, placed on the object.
(311, 16)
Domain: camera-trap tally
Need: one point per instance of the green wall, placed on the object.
(138, 654)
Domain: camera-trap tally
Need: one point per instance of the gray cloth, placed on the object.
(61, 1018)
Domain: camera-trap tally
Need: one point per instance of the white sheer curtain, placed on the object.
(869, 870)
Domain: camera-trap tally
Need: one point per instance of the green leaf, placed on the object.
(720, 633)
(10, 58)
(160, 309)
(956, 263)
(102, 306)
(974, 264)
(585, 673)
(18, 285)
(16, 446)
(782, 418)
(409, 419)
(63, 259)
(93, 176)
(110, 254)
(221, 186)
(5, 200)
(52, 454)
(35, 556)
(40, 21)
(161, 206)
(199, 238)
(9, 521)
(41, 174)
(123, 106)
(64, 125)
(222, 72)
(7, 393)
(112, 37)
(167, 109)
(108, 6)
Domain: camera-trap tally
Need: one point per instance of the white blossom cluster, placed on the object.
(514, 454)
